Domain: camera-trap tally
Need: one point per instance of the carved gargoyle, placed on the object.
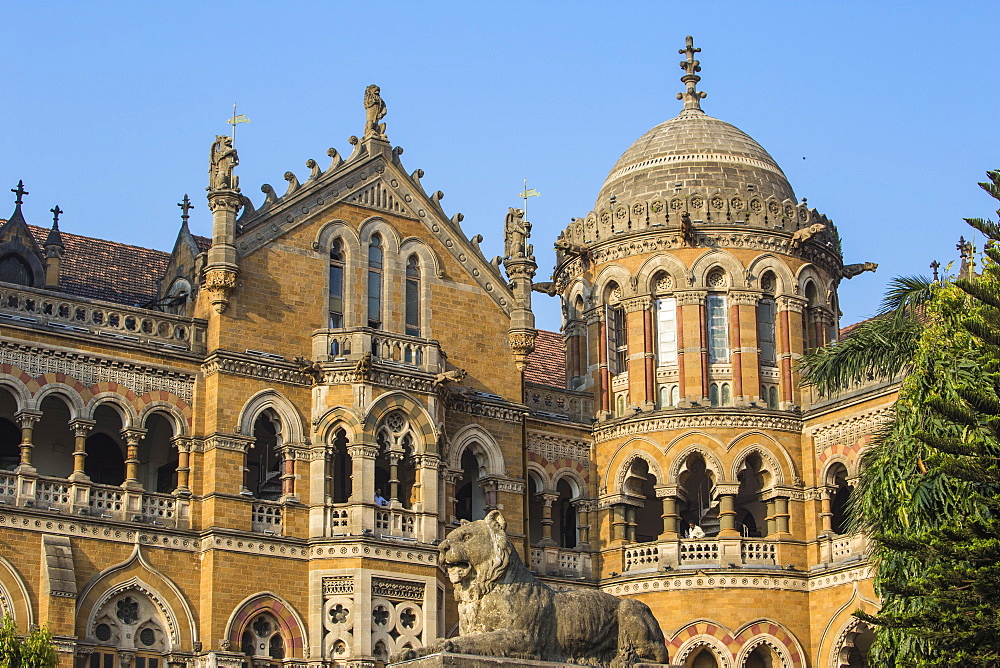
(852, 270)
(363, 369)
(569, 248)
(548, 288)
(310, 368)
(450, 376)
(805, 234)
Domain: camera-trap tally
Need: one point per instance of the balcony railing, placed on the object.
(350, 345)
(62, 313)
(560, 562)
(712, 553)
(266, 517)
(395, 523)
(839, 549)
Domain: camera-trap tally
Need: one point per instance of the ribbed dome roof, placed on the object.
(702, 153)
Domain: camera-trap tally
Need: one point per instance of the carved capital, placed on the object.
(793, 304)
(219, 283)
(26, 419)
(133, 436)
(362, 451)
(637, 304)
(724, 489)
(691, 297)
(224, 200)
(520, 270)
(744, 298)
(81, 427)
(522, 344)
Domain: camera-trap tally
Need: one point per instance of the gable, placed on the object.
(377, 182)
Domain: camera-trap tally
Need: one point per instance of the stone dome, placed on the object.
(702, 153)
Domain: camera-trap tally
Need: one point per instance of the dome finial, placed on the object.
(692, 97)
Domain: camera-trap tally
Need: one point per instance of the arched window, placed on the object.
(696, 506)
(766, 331)
(337, 284)
(727, 396)
(616, 334)
(751, 511)
(157, 456)
(341, 467)
(128, 622)
(413, 296)
(640, 485)
(470, 498)
(395, 467)
(809, 319)
(105, 462)
(564, 515)
(840, 497)
(375, 255)
(535, 508)
(263, 470)
(13, 269)
(713, 394)
(772, 397)
(261, 640)
(177, 297)
(702, 658)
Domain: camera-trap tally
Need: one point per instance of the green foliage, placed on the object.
(929, 492)
(32, 651)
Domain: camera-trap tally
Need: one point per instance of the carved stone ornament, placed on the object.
(516, 231)
(374, 112)
(522, 344)
(220, 283)
(221, 161)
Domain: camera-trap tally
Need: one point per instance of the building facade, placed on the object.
(243, 452)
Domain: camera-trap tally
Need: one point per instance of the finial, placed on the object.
(55, 216)
(692, 97)
(185, 206)
(20, 192)
(934, 267)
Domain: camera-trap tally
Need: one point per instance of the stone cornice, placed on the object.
(689, 419)
(240, 364)
(493, 409)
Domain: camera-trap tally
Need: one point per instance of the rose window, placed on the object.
(339, 614)
(407, 619)
(380, 616)
(128, 610)
(103, 632)
(261, 627)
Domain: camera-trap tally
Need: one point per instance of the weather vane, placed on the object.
(526, 194)
(236, 120)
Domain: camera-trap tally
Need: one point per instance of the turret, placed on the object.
(54, 250)
(519, 261)
(224, 200)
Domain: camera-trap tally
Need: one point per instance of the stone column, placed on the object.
(451, 478)
(747, 347)
(769, 519)
(547, 499)
(80, 429)
(789, 344)
(826, 510)
(727, 510)
(26, 419)
(132, 438)
(618, 522)
(583, 514)
(638, 324)
(671, 520)
(630, 523)
(363, 472)
(395, 456)
(781, 516)
(288, 454)
(183, 446)
(691, 347)
(604, 379)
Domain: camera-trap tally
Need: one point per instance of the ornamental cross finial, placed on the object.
(20, 192)
(185, 206)
(692, 97)
(55, 215)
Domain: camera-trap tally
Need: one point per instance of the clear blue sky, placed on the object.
(882, 114)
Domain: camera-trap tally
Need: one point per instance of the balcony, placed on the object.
(99, 501)
(706, 553)
(843, 549)
(395, 523)
(560, 562)
(62, 313)
(350, 345)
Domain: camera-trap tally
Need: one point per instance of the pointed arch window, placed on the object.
(766, 331)
(413, 296)
(13, 269)
(337, 284)
(617, 338)
(375, 256)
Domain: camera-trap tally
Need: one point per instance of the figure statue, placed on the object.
(221, 161)
(516, 231)
(688, 233)
(363, 369)
(374, 112)
(505, 611)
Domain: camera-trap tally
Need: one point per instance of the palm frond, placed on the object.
(906, 294)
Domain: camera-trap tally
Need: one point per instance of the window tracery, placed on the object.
(375, 266)
(336, 289)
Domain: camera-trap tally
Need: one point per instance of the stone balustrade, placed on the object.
(837, 549)
(350, 345)
(699, 553)
(395, 523)
(63, 313)
(265, 517)
(560, 562)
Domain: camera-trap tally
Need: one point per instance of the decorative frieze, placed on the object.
(397, 589)
(91, 369)
(553, 448)
(699, 420)
(337, 585)
(493, 411)
(230, 442)
(850, 430)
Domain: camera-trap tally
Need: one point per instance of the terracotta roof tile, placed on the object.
(107, 270)
(547, 364)
(204, 243)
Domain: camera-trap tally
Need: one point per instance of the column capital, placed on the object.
(81, 427)
(548, 498)
(635, 304)
(691, 297)
(133, 435)
(663, 491)
(727, 489)
(786, 303)
(744, 298)
(363, 451)
(26, 418)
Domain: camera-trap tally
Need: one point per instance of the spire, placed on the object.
(55, 238)
(692, 97)
(20, 192)
(185, 206)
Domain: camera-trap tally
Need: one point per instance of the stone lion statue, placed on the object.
(504, 611)
(805, 234)
(374, 112)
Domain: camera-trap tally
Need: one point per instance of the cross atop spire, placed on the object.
(55, 215)
(20, 192)
(692, 97)
(185, 206)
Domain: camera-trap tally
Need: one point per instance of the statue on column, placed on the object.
(374, 112)
(516, 231)
(221, 161)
